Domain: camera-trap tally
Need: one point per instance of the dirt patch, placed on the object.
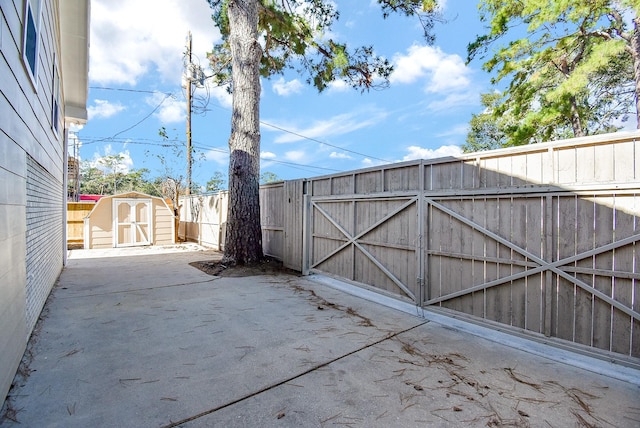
(268, 266)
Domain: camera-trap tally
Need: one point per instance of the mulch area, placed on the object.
(268, 266)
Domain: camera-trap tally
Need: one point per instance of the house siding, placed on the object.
(31, 177)
(44, 237)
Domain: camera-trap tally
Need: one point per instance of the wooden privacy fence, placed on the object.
(203, 220)
(76, 212)
(541, 239)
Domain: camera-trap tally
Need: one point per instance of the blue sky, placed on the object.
(135, 89)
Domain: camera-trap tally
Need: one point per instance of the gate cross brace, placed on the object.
(353, 240)
(544, 265)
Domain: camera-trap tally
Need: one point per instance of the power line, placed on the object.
(226, 109)
(263, 123)
(137, 123)
(141, 91)
(323, 142)
(314, 139)
(201, 146)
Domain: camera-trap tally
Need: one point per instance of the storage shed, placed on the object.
(127, 220)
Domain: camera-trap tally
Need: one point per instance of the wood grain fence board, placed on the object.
(438, 227)
(624, 162)
(451, 268)
(602, 312)
(479, 251)
(564, 308)
(635, 326)
(624, 226)
(343, 185)
(604, 167)
(402, 178)
(535, 168)
(584, 240)
(320, 187)
(468, 173)
(293, 226)
(493, 250)
(76, 212)
(427, 178)
(518, 287)
(519, 166)
(466, 264)
(635, 335)
(370, 182)
(505, 226)
(586, 171)
(567, 169)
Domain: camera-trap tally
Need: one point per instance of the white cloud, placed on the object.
(75, 127)
(295, 155)
(442, 72)
(218, 155)
(267, 155)
(455, 100)
(169, 109)
(336, 125)
(366, 162)
(460, 129)
(103, 109)
(283, 88)
(416, 152)
(336, 155)
(223, 96)
(338, 86)
(100, 162)
(130, 38)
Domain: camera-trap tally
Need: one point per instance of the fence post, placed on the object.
(549, 175)
(423, 228)
(200, 215)
(548, 257)
(306, 233)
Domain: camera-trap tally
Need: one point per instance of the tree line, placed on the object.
(107, 176)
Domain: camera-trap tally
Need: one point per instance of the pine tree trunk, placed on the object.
(576, 122)
(243, 240)
(635, 54)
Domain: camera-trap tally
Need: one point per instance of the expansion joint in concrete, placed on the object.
(289, 379)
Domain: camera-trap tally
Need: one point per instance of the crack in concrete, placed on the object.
(133, 290)
(289, 379)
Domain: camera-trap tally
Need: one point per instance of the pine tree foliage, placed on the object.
(571, 67)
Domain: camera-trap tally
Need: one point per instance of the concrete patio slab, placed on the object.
(140, 338)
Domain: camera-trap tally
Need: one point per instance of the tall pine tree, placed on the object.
(291, 36)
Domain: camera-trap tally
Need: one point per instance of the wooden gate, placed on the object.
(542, 239)
(373, 241)
(560, 264)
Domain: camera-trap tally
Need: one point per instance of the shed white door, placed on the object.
(133, 222)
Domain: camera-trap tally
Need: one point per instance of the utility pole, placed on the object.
(189, 73)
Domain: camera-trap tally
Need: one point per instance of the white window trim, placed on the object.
(29, 9)
(56, 109)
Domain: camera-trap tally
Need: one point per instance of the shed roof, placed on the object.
(132, 194)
